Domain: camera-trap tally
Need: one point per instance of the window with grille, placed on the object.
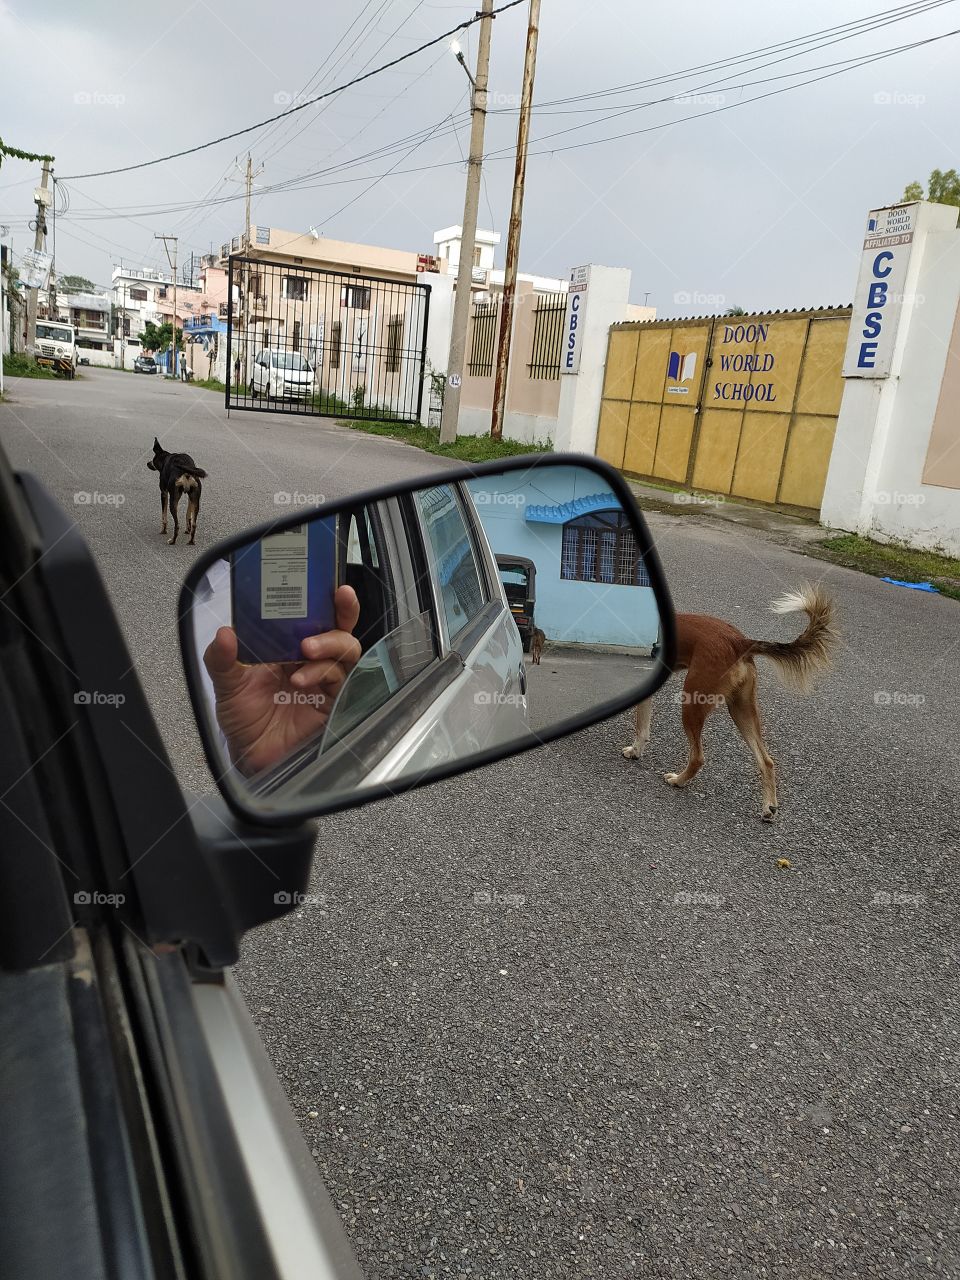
(602, 547)
(356, 296)
(394, 343)
(483, 339)
(295, 288)
(547, 345)
(336, 340)
(138, 295)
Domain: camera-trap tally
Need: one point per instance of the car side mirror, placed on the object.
(372, 645)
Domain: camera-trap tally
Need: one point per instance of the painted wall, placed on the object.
(568, 612)
(890, 477)
(743, 406)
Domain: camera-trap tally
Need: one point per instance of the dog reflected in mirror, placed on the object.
(537, 641)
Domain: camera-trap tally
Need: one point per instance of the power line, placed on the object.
(239, 133)
(299, 183)
(863, 25)
(869, 23)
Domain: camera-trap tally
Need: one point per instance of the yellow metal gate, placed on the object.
(744, 406)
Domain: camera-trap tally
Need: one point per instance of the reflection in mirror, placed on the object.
(379, 641)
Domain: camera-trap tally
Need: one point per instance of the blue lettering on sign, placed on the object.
(886, 256)
(868, 356)
(755, 363)
(877, 298)
(572, 326)
(745, 332)
(745, 391)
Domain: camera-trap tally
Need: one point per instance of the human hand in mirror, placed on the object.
(266, 711)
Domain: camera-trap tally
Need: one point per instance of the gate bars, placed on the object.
(318, 343)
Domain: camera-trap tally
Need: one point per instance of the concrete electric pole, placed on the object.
(173, 268)
(516, 217)
(42, 198)
(468, 232)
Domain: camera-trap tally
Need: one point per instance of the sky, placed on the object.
(718, 202)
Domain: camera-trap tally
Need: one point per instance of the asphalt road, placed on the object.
(554, 1018)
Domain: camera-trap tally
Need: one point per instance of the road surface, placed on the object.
(556, 1019)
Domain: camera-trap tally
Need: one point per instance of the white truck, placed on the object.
(56, 346)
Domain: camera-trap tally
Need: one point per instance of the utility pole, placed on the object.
(173, 269)
(468, 232)
(516, 217)
(245, 275)
(42, 198)
(53, 311)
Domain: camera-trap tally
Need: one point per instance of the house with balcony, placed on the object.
(89, 313)
(341, 306)
(143, 295)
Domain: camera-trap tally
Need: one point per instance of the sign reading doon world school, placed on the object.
(879, 299)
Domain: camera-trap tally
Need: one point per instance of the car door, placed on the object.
(473, 690)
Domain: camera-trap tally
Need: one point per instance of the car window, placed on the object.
(461, 585)
(380, 674)
(287, 360)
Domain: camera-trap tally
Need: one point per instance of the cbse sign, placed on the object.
(573, 321)
(879, 298)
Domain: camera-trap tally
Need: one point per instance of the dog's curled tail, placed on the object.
(800, 661)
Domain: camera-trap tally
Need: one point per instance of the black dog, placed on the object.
(179, 474)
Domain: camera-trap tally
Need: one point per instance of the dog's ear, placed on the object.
(157, 447)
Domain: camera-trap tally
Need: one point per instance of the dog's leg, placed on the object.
(742, 705)
(163, 510)
(174, 510)
(697, 705)
(193, 506)
(643, 714)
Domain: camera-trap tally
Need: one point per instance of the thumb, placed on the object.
(347, 608)
(220, 659)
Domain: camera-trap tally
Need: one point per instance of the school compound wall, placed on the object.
(741, 406)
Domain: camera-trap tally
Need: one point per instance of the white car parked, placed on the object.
(282, 375)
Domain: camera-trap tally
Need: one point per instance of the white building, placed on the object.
(142, 297)
(486, 276)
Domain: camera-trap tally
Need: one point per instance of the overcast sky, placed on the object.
(759, 205)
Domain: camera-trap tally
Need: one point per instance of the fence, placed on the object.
(745, 406)
(547, 342)
(483, 338)
(309, 341)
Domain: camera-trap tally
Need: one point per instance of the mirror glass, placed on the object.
(375, 642)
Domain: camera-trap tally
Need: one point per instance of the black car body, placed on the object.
(144, 364)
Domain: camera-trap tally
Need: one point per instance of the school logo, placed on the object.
(681, 367)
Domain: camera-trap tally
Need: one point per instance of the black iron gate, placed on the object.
(313, 342)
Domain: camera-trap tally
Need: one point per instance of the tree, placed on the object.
(157, 337)
(942, 188)
(76, 284)
(735, 311)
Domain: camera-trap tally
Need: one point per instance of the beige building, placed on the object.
(361, 325)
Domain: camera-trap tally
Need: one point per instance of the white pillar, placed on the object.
(439, 328)
(600, 302)
(880, 331)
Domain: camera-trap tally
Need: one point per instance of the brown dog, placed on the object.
(719, 662)
(537, 641)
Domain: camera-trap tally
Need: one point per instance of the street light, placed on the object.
(457, 50)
